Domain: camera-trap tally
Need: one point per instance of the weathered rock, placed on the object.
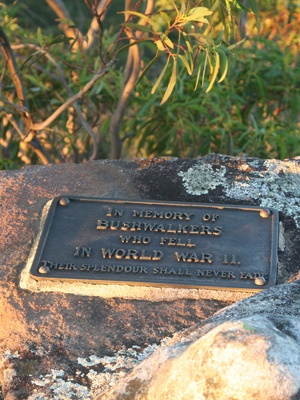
(55, 343)
(250, 350)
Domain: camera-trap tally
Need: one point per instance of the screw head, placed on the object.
(260, 281)
(265, 213)
(44, 270)
(64, 201)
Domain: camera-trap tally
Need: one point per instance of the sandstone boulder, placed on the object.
(250, 350)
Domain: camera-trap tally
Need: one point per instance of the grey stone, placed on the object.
(250, 350)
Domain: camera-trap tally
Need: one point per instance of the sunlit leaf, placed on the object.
(169, 43)
(204, 68)
(223, 64)
(171, 84)
(160, 77)
(188, 45)
(198, 77)
(197, 14)
(185, 63)
(215, 72)
(235, 44)
(160, 45)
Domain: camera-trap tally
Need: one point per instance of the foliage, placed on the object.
(254, 112)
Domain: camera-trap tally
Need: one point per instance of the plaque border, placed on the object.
(274, 237)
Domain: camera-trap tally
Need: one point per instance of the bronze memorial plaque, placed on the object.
(158, 244)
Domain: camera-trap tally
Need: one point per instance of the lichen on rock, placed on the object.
(202, 178)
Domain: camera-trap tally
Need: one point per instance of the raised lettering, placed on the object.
(205, 257)
(120, 253)
(82, 251)
(102, 224)
(149, 227)
(111, 212)
(205, 230)
(158, 255)
(137, 213)
(194, 229)
(125, 238)
(181, 256)
(131, 253)
(160, 228)
(144, 256)
(108, 253)
(125, 226)
(136, 226)
(217, 230)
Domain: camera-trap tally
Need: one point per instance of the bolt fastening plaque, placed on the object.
(158, 243)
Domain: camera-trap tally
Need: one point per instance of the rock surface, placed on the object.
(250, 350)
(58, 345)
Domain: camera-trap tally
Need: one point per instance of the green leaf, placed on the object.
(148, 66)
(58, 39)
(27, 59)
(229, 14)
(204, 69)
(197, 14)
(242, 5)
(160, 77)
(139, 15)
(198, 76)
(215, 72)
(145, 108)
(186, 63)
(136, 27)
(73, 42)
(66, 21)
(40, 36)
(133, 44)
(223, 64)
(235, 44)
(206, 38)
(165, 17)
(254, 8)
(188, 45)
(171, 84)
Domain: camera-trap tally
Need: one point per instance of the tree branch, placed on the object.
(62, 79)
(16, 77)
(34, 144)
(12, 67)
(62, 12)
(63, 107)
(131, 76)
(93, 31)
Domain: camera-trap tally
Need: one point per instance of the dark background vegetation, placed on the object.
(254, 112)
